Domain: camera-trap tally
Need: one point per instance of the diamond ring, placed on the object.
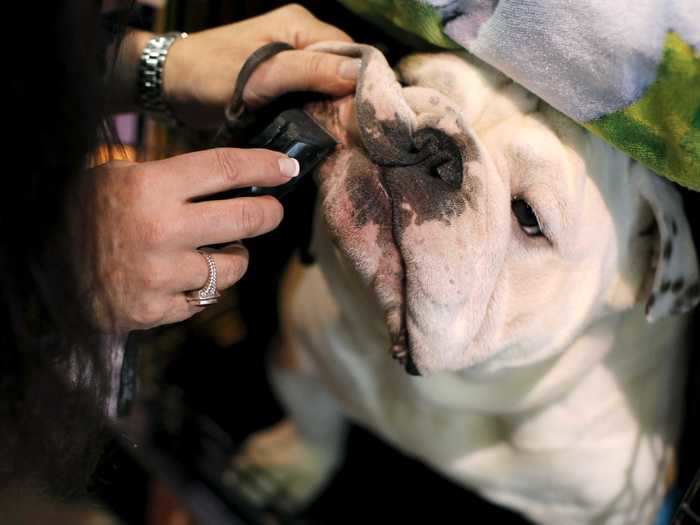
(207, 294)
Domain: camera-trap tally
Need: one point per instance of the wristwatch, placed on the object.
(151, 66)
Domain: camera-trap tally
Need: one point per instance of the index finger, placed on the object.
(207, 172)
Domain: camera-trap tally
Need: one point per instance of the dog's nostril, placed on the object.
(450, 172)
(443, 159)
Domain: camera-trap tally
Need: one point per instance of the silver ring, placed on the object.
(207, 294)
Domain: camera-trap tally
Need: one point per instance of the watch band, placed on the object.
(151, 66)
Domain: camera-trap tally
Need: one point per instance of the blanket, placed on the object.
(628, 71)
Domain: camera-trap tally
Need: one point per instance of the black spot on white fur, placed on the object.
(693, 291)
(677, 285)
(668, 250)
(649, 230)
(650, 303)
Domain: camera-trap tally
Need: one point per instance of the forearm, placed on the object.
(123, 73)
(201, 70)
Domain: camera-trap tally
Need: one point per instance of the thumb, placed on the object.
(300, 70)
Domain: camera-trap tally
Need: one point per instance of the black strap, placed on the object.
(238, 116)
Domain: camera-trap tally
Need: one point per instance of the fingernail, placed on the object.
(289, 167)
(350, 69)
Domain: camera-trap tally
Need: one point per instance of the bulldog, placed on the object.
(498, 293)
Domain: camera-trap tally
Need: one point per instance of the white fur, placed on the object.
(564, 405)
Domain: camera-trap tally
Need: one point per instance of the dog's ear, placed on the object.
(674, 288)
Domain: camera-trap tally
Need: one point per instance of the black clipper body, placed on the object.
(297, 135)
(291, 132)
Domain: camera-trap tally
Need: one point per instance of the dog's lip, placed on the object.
(340, 119)
(403, 355)
(400, 349)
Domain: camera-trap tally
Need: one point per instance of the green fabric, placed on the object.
(662, 129)
(411, 16)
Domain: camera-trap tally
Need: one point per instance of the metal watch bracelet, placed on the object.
(151, 66)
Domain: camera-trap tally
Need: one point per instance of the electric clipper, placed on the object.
(280, 126)
(297, 135)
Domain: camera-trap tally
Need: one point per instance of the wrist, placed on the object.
(153, 98)
(188, 79)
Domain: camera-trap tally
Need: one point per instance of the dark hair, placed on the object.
(51, 371)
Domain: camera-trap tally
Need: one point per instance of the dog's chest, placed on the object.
(574, 454)
(351, 359)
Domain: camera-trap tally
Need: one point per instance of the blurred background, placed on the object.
(217, 359)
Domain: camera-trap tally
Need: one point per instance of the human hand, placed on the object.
(201, 70)
(146, 225)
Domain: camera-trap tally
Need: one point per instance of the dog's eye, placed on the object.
(526, 217)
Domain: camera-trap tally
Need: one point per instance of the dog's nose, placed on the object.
(431, 187)
(429, 153)
(440, 157)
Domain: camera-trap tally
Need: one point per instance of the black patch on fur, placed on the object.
(387, 142)
(650, 302)
(678, 306)
(693, 291)
(436, 188)
(668, 249)
(665, 285)
(677, 285)
(424, 170)
(649, 230)
(365, 192)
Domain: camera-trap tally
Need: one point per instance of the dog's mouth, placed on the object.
(395, 313)
(362, 211)
(371, 195)
(377, 254)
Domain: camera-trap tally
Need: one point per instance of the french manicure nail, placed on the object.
(289, 167)
(350, 69)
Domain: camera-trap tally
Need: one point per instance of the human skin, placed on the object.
(201, 70)
(146, 227)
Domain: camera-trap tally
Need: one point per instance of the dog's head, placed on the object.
(491, 228)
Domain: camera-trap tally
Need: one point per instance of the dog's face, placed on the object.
(492, 229)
